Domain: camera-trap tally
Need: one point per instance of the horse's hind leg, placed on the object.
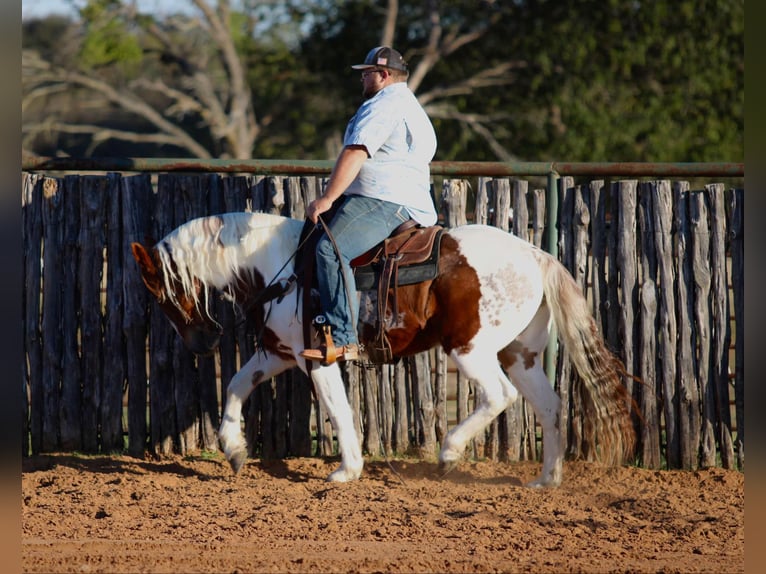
(523, 361)
(497, 393)
(537, 390)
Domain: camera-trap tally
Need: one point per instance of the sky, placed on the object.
(41, 8)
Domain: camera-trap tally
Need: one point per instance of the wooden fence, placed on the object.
(662, 265)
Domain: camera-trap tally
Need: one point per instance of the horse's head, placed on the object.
(181, 304)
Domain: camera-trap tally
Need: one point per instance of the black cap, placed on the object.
(383, 57)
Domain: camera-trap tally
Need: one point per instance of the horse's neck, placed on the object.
(228, 252)
(259, 249)
(269, 249)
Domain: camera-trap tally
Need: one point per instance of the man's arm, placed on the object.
(346, 168)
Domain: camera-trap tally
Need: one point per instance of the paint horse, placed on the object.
(490, 307)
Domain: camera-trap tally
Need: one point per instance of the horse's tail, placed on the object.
(598, 390)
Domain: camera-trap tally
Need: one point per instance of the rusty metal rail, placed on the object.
(442, 168)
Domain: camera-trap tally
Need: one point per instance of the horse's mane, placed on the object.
(217, 250)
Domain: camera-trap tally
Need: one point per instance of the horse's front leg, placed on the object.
(328, 384)
(258, 369)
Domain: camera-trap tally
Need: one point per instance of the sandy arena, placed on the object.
(120, 514)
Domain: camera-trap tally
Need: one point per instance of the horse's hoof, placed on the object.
(447, 466)
(343, 475)
(540, 483)
(237, 461)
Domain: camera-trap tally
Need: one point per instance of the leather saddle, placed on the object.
(409, 255)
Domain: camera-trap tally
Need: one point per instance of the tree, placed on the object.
(634, 81)
(182, 79)
(576, 80)
(438, 38)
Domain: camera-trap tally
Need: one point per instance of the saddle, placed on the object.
(409, 255)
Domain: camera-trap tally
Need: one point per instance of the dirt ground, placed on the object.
(120, 514)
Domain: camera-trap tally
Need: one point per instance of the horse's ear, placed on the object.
(148, 270)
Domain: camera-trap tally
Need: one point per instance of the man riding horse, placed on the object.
(383, 174)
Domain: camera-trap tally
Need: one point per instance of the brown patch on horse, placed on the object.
(442, 311)
(509, 354)
(273, 345)
(245, 289)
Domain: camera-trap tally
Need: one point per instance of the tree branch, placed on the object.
(476, 123)
(101, 134)
(389, 26)
(127, 101)
(496, 76)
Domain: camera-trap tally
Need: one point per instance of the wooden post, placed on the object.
(571, 409)
(687, 332)
(110, 407)
(52, 309)
(440, 395)
(737, 250)
(92, 244)
(721, 327)
(423, 397)
(401, 410)
(625, 261)
(137, 201)
(371, 443)
(387, 412)
(649, 438)
(598, 228)
(71, 371)
(662, 210)
(32, 221)
(454, 200)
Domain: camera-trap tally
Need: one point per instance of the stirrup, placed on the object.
(342, 353)
(326, 353)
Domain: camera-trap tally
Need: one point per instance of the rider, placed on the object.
(383, 174)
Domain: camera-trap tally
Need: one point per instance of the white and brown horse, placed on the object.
(490, 307)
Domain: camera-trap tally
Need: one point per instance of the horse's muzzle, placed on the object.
(202, 343)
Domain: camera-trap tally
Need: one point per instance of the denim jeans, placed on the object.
(359, 224)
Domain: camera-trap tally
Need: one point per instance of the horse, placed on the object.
(491, 307)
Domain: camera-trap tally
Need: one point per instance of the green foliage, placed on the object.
(108, 39)
(625, 81)
(607, 80)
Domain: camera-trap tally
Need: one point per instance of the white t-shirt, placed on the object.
(400, 142)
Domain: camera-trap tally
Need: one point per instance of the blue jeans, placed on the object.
(359, 224)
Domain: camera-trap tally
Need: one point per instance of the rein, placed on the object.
(276, 289)
(342, 274)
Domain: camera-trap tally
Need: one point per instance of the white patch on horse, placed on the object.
(506, 285)
(509, 278)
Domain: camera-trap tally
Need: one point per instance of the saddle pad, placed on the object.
(367, 276)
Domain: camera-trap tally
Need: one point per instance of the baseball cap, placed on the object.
(382, 56)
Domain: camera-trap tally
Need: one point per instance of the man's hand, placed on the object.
(317, 208)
